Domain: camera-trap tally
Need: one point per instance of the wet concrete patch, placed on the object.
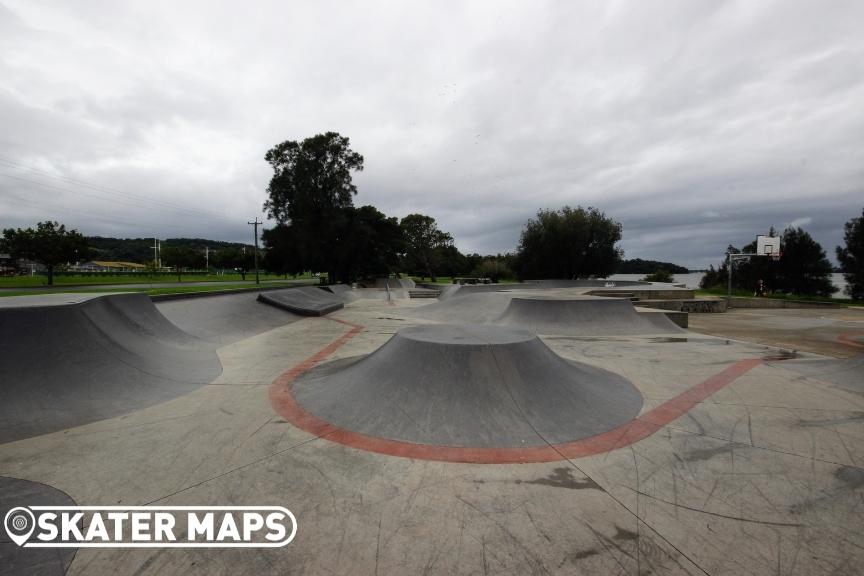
(563, 478)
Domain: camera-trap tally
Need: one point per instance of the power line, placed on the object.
(105, 190)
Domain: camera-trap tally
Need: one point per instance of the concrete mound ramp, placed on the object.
(306, 300)
(457, 290)
(67, 365)
(483, 387)
(589, 317)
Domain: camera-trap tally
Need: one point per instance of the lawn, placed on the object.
(154, 291)
(107, 279)
(737, 293)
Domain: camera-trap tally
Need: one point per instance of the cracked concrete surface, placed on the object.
(764, 476)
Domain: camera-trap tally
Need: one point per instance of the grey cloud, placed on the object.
(694, 123)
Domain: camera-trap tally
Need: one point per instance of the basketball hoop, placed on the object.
(776, 256)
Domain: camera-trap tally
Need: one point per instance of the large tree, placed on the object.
(569, 243)
(310, 189)
(851, 257)
(180, 257)
(803, 268)
(426, 245)
(49, 244)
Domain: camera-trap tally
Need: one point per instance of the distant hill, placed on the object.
(639, 266)
(140, 250)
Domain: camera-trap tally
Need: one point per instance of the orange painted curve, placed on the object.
(283, 401)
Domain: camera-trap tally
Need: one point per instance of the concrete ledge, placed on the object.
(306, 300)
(649, 294)
(679, 318)
(696, 306)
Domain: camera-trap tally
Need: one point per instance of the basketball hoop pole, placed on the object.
(730, 263)
(765, 246)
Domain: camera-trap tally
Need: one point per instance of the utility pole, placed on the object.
(207, 258)
(155, 253)
(256, 223)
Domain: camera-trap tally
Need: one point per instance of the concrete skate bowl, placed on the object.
(583, 317)
(68, 365)
(225, 318)
(14, 493)
(306, 301)
(483, 394)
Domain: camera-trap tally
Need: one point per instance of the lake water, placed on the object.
(692, 281)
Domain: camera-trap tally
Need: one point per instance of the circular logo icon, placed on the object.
(19, 523)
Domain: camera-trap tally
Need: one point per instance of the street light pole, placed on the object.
(256, 223)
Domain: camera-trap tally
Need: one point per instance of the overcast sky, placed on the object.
(695, 124)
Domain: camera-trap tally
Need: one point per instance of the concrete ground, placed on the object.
(837, 332)
(740, 465)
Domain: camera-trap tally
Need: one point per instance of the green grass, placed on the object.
(107, 279)
(738, 293)
(151, 291)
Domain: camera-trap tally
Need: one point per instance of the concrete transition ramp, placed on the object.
(606, 317)
(67, 365)
(586, 316)
(306, 300)
(15, 492)
(225, 318)
(468, 386)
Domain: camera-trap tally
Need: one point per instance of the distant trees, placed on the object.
(659, 275)
(851, 257)
(311, 192)
(569, 243)
(50, 244)
(803, 269)
(180, 257)
(425, 246)
(493, 268)
(640, 266)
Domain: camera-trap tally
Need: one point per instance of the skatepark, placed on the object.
(498, 429)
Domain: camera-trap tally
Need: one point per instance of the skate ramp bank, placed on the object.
(226, 318)
(461, 290)
(482, 308)
(64, 366)
(589, 317)
(468, 386)
(305, 301)
(601, 283)
(14, 559)
(395, 283)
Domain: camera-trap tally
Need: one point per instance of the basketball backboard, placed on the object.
(767, 246)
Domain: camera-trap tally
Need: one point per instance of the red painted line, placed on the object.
(634, 431)
(851, 339)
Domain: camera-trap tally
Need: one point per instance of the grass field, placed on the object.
(107, 279)
(154, 291)
(749, 294)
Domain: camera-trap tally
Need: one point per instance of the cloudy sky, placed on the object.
(695, 124)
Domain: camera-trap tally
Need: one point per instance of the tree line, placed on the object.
(803, 268)
(318, 228)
